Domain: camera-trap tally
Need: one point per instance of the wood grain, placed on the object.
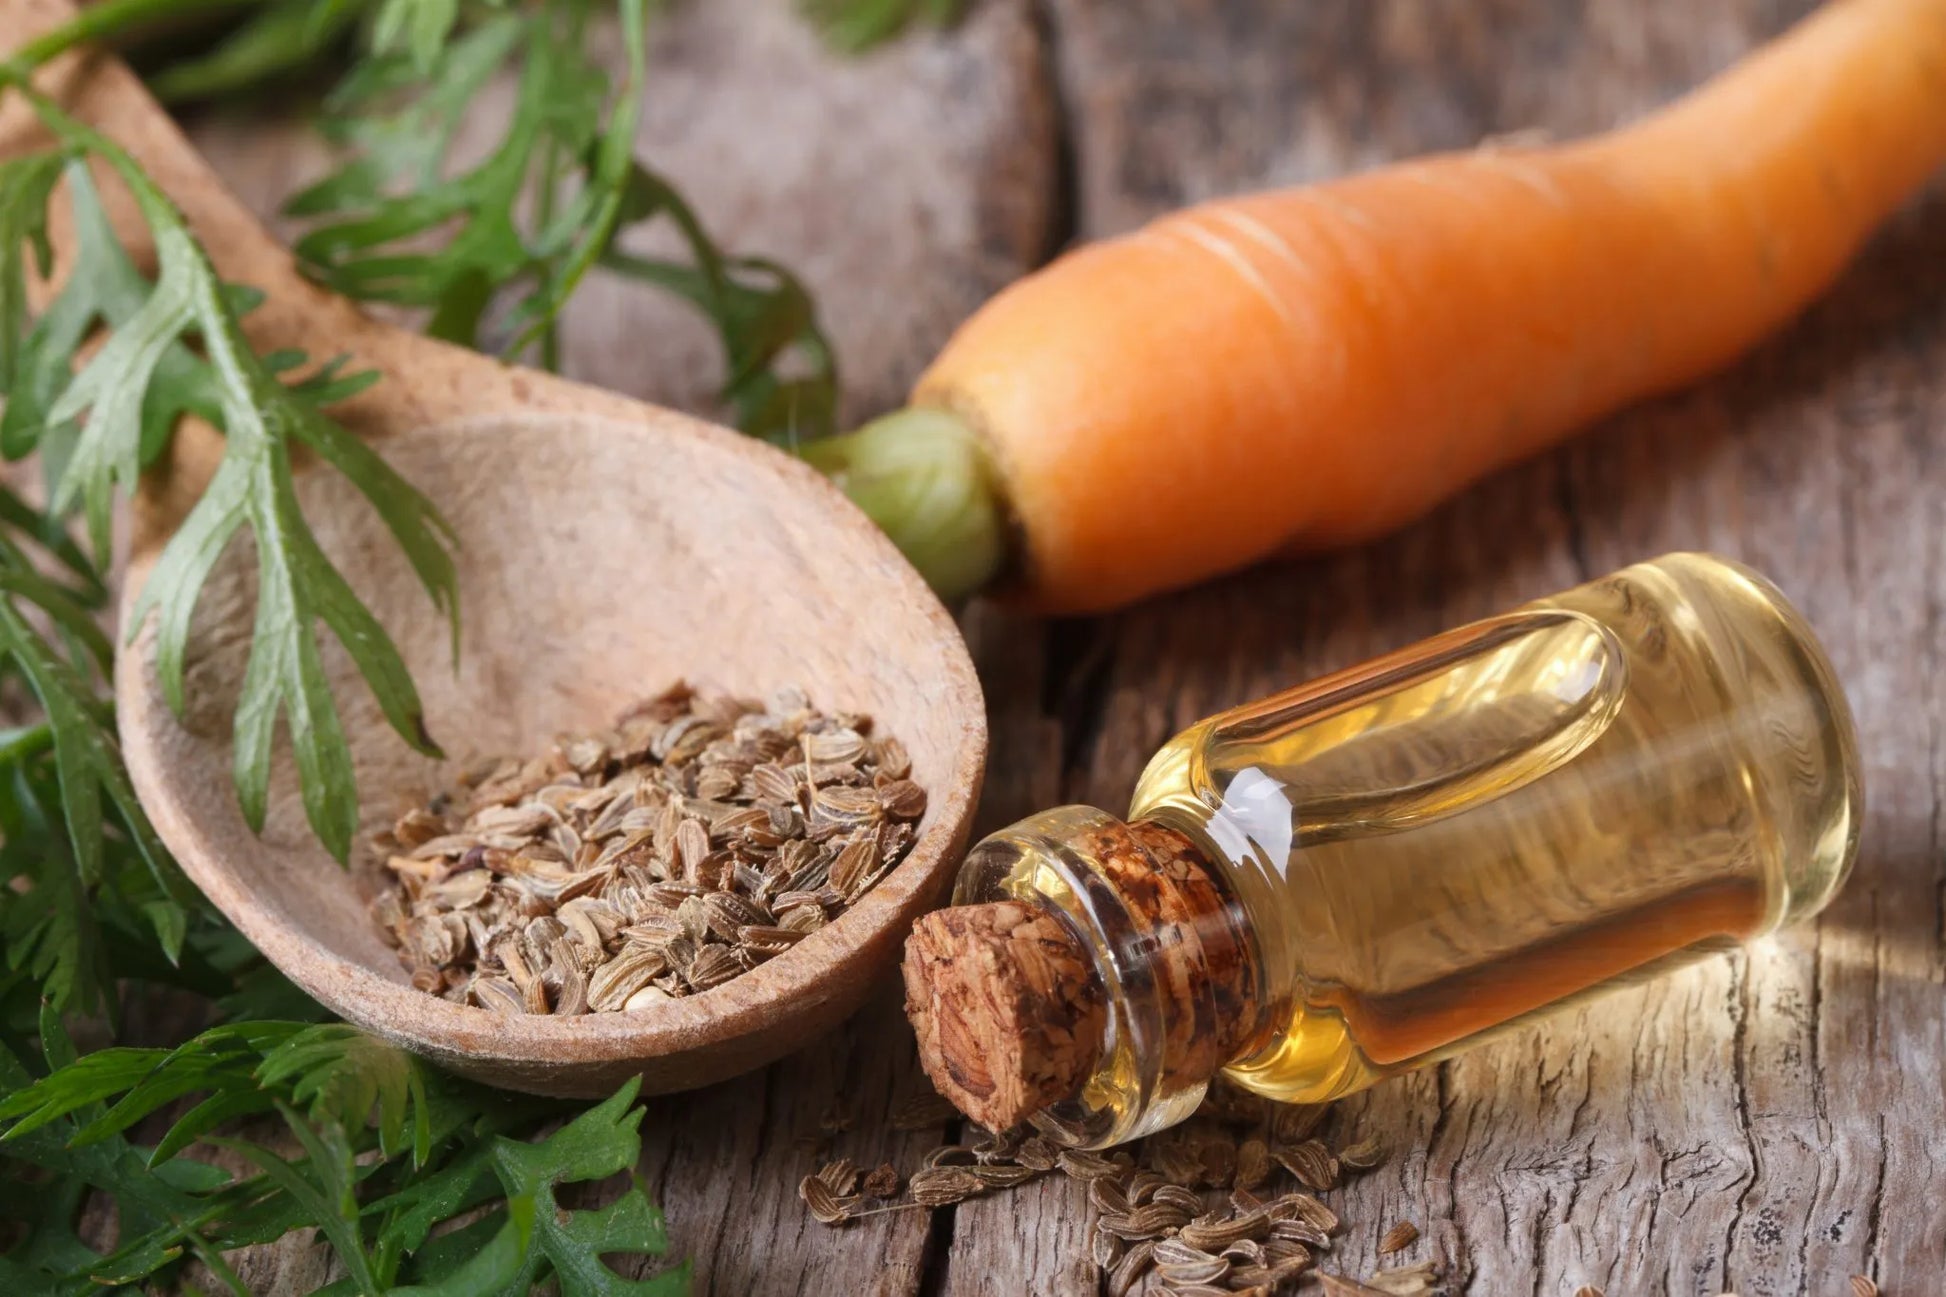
(1766, 1125)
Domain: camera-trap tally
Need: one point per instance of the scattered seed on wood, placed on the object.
(1065, 1133)
(1588, 1290)
(841, 1175)
(1151, 1212)
(1106, 1249)
(1143, 1185)
(1293, 1123)
(1219, 1234)
(1303, 1207)
(1397, 1239)
(649, 862)
(826, 1207)
(937, 1186)
(1158, 1218)
(949, 1155)
(1286, 1265)
(1173, 1251)
(1362, 1156)
(1001, 1177)
(1124, 1225)
(1132, 1266)
(1036, 1154)
(1217, 1154)
(1083, 1165)
(1863, 1287)
(1105, 1193)
(1187, 1201)
(1253, 1164)
(1209, 1270)
(1302, 1232)
(991, 1148)
(1280, 1252)
(1175, 1159)
(1244, 1252)
(1406, 1281)
(1312, 1163)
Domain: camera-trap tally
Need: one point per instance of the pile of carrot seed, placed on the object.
(1222, 1205)
(698, 837)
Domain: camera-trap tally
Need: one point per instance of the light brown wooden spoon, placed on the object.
(607, 547)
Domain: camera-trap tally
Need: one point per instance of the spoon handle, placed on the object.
(294, 314)
(100, 90)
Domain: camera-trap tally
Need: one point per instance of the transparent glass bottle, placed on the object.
(1373, 871)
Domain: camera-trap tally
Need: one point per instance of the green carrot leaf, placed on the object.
(493, 251)
(26, 184)
(252, 490)
(323, 1188)
(418, 27)
(540, 1237)
(586, 227)
(274, 41)
(337, 1072)
(857, 25)
(97, 805)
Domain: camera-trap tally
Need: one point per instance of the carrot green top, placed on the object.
(925, 478)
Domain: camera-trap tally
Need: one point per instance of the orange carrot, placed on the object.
(1317, 366)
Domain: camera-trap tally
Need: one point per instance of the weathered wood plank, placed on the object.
(1170, 103)
(725, 1165)
(1746, 1125)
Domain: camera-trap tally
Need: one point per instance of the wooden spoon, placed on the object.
(607, 547)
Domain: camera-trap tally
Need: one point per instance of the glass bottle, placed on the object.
(1373, 871)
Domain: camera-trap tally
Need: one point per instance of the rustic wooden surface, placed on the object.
(1766, 1125)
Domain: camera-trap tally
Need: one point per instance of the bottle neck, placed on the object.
(1168, 954)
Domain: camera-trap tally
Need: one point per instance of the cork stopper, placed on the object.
(1008, 1012)
(1005, 998)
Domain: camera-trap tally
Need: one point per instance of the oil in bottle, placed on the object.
(1420, 852)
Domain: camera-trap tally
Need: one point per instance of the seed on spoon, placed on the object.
(702, 835)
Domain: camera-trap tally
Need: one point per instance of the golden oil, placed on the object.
(1495, 823)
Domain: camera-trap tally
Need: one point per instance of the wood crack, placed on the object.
(1443, 1091)
(1739, 1006)
(1063, 212)
(1569, 500)
(1819, 1092)
(1876, 1206)
(1080, 663)
(1537, 1249)
(934, 1259)
(1937, 821)
(1875, 997)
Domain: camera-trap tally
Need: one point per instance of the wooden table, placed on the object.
(1768, 1124)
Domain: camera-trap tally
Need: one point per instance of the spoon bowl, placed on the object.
(607, 548)
(599, 561)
